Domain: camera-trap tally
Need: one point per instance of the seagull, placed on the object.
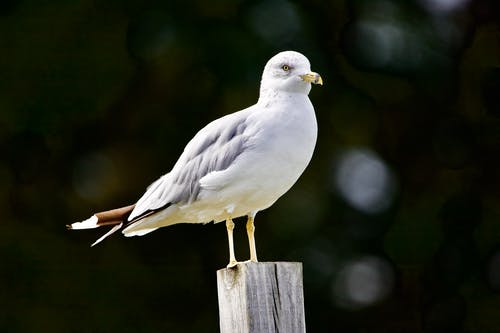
(235, 166)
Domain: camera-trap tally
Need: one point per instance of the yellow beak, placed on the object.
(312, 77)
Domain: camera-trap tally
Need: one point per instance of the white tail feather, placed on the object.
(116, 227)
(89, 223)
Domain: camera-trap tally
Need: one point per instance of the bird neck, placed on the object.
(269, 97)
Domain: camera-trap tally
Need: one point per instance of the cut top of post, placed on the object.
(261, 297)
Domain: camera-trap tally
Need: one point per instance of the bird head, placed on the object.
(289, 71)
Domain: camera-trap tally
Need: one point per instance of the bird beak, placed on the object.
(312, 77)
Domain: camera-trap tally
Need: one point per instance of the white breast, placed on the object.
(280, 148)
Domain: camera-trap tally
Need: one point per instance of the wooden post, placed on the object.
(263, 297)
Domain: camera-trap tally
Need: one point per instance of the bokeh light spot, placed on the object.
(363, 282)
(384, 39)
(364, 181)
(437, 6)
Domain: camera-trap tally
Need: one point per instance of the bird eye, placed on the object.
(286, 68)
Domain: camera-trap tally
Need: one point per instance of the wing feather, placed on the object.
(213, 149)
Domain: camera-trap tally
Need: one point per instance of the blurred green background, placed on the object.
(396, 220)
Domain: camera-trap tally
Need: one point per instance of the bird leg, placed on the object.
(230, 227)
(251, 239)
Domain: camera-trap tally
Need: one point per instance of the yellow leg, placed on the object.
(230, 227)
(251, 239)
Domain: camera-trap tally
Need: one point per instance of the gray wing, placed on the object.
(214, 148)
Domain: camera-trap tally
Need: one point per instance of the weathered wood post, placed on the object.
(263, 297)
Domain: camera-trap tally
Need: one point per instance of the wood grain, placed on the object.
(264, 297)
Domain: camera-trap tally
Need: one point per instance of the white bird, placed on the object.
(237, 165)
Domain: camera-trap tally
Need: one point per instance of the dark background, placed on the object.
(396, 220)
